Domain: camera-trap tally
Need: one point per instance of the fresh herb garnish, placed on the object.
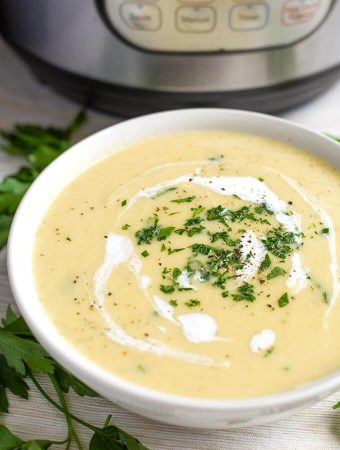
(245, 292)
(279, 242)
(167, 288)
(224, 236)
(174, 250)
(124, 202)
(145, 253)
(173, 303)
(265, 264)
(145, 235)
(126, 227)
(268, 352)
(164, 233)
(325, 231)
(192, 302)
(176, 273)
(164, 191)
(276, 272)
(184, 200)
(197, 211)
(283, 300)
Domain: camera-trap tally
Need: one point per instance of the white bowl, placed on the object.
(178, 410)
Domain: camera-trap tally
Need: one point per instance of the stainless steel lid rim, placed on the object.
(99, 54)
(134, 101)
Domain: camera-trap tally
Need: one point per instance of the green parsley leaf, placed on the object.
(192, 303)
(126, 227)
(124, 202)
(193, 221)
(283, 300)
(279, 242)
(173, 303)
(325, 231)
(67, 381)
(276, 272)
(164, 233)
(113, 438)
(39, 146)
(268, 352)
(147, 234)
(245, 292)
(167, 288)
(8, 441)
(9, 379)
(265, 263)
(145, 253)
(19, 351)
(184, 200)
(174, 250)
(197, 211)
(164, 191)
(176, 273)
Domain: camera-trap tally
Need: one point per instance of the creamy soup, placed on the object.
(202, 264)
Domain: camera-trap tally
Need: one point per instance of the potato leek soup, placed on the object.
(202, 264)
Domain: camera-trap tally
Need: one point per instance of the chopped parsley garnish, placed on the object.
(268, 352)
(165, 271)
(224, 236)
(279, 242)
(173, 303)
(192, 302)
(265, 264)
(145, 235)
(244, 292)
(164, 191)
(219, 213)
(195, 230)
(164, 233)
(68, 238)
(124, 202)
(283, 300)
(167, 288)
(184, 200)
(174, 250)
(145, 253)
(176, 273)
(197, 211)
(325, 231)
(276, 272)
(126, 227)
(193, 221)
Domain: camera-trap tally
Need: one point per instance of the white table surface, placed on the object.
(23, 99)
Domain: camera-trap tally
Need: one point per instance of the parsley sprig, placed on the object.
(39, 146)
(22, 358)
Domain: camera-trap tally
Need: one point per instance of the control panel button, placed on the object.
(295, 12)
(195, 19)
(247, 17)
(141, 16)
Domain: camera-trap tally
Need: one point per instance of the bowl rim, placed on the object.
(90, 372)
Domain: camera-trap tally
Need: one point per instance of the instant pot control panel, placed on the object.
(214, 25)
